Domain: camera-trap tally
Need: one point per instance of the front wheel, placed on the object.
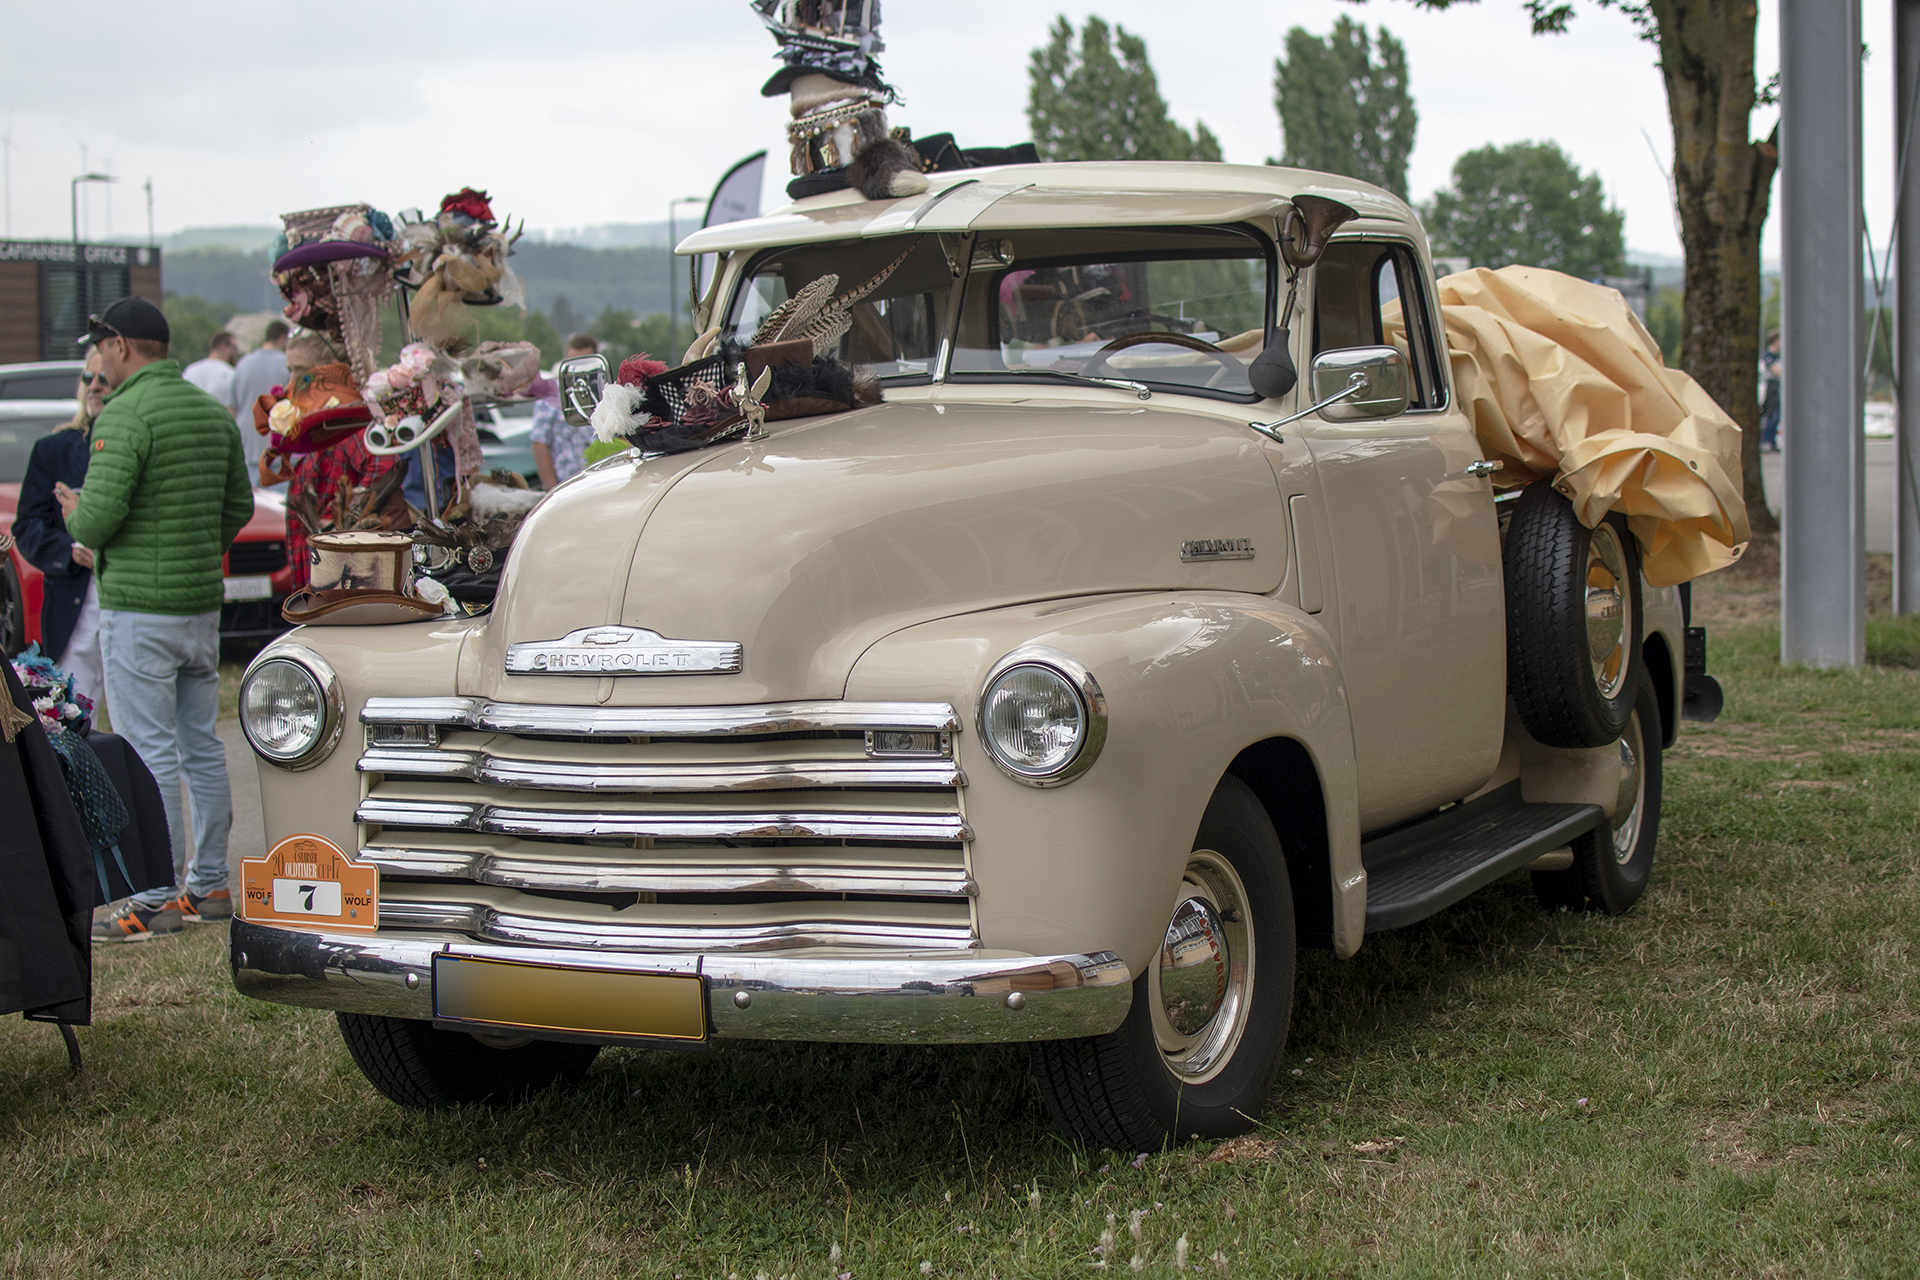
(1196, 1056)
(1611, 865)
(417, 1065)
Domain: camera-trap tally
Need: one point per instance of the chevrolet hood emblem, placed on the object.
(622, 651)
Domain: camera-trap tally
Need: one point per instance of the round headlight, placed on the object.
(284, 711)
(1043, 721)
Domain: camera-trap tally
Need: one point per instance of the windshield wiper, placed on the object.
(1138, 388)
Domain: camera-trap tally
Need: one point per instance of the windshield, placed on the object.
(894, 330)
(1182, 309)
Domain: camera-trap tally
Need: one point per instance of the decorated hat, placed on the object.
(834, 38)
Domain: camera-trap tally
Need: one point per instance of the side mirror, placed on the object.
(583, 379)
(1381, 394)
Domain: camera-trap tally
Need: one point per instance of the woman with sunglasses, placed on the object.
(69, 602)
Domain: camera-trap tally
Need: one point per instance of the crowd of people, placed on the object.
(128, 510)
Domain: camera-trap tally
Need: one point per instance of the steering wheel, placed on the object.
(1188, 341)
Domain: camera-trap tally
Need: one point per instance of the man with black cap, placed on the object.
(166, 492)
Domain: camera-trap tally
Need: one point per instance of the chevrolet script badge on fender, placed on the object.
(1217, 549)
(622, 651)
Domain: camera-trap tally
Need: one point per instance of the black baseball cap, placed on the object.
(128, 318)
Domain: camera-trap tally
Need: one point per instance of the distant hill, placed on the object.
(591, 280)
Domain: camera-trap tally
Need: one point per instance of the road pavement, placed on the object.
(1880, 478)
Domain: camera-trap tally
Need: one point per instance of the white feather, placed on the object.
(618, 414)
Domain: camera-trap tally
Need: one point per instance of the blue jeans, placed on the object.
(163, 691)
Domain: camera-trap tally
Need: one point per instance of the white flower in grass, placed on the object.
(1180, 1253)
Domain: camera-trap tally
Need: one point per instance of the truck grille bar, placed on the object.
(805, 824)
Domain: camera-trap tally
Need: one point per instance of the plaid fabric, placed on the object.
(338, 470)
(567, 443)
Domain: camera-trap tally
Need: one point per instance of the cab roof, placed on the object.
(1025, 196)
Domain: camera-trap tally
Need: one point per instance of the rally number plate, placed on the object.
(249, 587)
(577, 1001)
(308, 882)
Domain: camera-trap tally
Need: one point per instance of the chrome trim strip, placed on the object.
(614, 650)
(869, 999)
(511, 820)
(582, 875)
(483, 921)
(672, 722)
(479, 765)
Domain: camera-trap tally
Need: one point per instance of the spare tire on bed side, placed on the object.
(1573, 621)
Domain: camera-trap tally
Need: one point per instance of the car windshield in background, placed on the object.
(1184, 310)
(17, 434)
(40, 384)
(894, 330)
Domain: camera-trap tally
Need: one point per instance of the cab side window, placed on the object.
(1369, 294)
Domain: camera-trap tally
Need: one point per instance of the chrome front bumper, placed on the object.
(879, 999)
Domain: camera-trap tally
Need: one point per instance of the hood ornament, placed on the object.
(622, 651)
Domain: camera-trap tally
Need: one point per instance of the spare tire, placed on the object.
(1573, 621)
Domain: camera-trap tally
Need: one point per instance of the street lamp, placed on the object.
(73, 193)
(673, 302)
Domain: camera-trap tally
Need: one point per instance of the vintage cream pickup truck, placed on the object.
(1060, 698)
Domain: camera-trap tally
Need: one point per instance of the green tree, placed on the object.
(192, 321)
(1723, 181)
(1341, 111)
(1666, 320)
(1526, 203)
(621, 335)
(1102, 102)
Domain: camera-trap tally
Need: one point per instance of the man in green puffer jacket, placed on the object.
(166, 493)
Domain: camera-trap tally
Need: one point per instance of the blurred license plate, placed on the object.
(507, 993)
(252, 587)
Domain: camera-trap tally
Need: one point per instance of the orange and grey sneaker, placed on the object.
(134, 923)
(214, 908)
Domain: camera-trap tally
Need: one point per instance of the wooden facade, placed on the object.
(49, 287)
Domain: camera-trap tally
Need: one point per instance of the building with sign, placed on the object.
(49, 287)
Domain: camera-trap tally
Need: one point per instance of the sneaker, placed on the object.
(215, 908)
(133, 923)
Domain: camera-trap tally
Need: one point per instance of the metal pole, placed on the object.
(1906, 309)
(673, 303)
(1823, 494)
(73, 201)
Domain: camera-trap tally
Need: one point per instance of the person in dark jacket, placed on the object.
(70, 602)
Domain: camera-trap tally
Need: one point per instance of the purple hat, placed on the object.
(314, 252)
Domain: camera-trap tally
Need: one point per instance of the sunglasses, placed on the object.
(93, 379)
(98, 329)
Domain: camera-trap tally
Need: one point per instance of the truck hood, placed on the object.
(810, 545)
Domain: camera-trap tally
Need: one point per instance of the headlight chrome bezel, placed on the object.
(1093, 707)
(332, 706)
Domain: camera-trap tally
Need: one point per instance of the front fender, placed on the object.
(1191, 680)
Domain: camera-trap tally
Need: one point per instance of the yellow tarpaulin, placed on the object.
(1564, 383)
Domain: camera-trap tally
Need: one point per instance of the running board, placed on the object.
(1416, 870)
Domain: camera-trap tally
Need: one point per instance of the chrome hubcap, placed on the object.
(1628, 805)
(1608, 626)
(1200, 987)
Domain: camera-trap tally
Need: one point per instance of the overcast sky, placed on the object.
(602, 110)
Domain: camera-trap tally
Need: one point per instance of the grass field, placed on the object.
(1720, 1083)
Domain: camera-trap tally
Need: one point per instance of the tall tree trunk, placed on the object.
(1723, 183)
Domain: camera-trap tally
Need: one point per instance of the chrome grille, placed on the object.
(669, 828)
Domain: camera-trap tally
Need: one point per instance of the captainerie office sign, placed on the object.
(112, 255)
